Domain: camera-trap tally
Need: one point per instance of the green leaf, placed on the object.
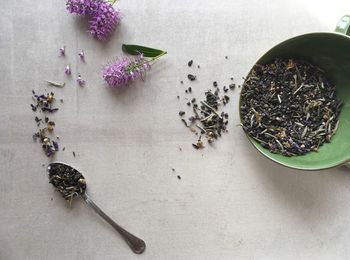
(137, 49)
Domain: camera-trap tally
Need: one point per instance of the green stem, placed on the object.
(157, 57)
(111, 2)
(148, 61)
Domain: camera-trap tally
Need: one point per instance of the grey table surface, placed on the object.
(231, 202)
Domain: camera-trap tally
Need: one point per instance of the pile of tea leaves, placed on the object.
(289, 106)
(207, 119)
(68, 181)
(44, 103)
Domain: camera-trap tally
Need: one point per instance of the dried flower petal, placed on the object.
(62, 51)
(67, 70)
(80, 81)
(55, 145)
(81, 55)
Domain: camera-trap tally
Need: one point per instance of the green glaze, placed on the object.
(331, 52)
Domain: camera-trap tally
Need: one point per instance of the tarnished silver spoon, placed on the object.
(71, 183)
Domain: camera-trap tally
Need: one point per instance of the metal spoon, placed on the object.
(70, 182)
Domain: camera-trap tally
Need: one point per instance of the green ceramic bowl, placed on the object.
(331, 52)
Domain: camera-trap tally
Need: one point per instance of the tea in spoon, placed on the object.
(71, 183)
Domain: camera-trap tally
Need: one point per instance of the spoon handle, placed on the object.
(136, 244)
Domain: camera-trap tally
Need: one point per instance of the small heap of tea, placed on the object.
(68, 181)
(289, 106)
(45, 102)
(208, 120)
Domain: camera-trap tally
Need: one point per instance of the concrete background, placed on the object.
(231, 202)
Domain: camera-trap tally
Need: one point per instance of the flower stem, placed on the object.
(111, 2)
(144, 61)
(157, 57)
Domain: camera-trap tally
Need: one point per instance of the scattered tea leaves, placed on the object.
(49, 146)
(45, 102)
(199, 144)
(191, 77)
(207, 120)
(232, 86)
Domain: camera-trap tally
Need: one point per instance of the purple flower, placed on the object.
(55, 145)
(103, 20)
(67, 70)
(124, 71)
(62, 51)
(81, 55)
(81, 7)
(80, 81)
(103, 17)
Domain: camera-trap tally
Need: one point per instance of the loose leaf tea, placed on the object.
(207, 120)
(45, 102)
(289, 106)
(68, 181)
(191, 77)
(49, 146)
